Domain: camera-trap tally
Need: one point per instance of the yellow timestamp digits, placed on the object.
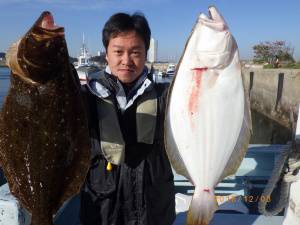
(246, 198)
(257, 198)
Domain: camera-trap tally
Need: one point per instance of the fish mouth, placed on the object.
(46, 22)
(213, 14)
(214, 19)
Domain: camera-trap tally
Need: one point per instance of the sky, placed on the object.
(171, 21)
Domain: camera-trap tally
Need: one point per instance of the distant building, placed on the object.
(152, 52)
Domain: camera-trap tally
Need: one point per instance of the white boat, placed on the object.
(84, 72)
(84, 66)
(170, 70)
(84, 57)
(160, 73)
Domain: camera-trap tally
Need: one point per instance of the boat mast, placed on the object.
(83, 59)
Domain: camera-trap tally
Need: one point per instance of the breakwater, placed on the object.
(274, 93)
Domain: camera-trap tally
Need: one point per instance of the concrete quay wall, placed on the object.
(274, 92)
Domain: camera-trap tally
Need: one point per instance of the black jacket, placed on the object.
(139, 191)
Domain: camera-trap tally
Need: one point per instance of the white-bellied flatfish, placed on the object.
(208, 122)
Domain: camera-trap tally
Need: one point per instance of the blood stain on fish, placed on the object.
(195, 93)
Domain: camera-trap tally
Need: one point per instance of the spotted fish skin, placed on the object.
(44, 142)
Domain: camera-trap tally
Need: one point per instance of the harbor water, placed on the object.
(265, 131)
(4, 83)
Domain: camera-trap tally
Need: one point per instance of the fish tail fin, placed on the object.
(202, 207)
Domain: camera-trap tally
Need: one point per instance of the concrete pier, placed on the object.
(274, 92)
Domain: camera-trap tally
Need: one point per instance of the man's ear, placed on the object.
(106, 57)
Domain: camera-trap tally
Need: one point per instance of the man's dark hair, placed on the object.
(122, 22)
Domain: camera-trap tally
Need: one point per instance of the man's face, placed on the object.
(126, 56)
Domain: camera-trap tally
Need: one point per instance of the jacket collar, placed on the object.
(108, 84)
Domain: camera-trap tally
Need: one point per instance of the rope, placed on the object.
(292, 173)
(285, 171)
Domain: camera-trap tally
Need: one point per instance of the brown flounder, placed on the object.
(44, 143)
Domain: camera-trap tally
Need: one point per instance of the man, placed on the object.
(130, 181)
